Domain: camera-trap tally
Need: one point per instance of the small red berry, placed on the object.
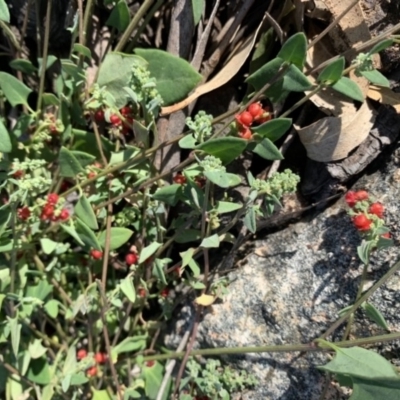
(91, 174)
(53, 129)
(47, 212)
(18, 174)
(81, 354)
(52, 198)
(131, 258)
(150, 363)
(164, 293)
(245, 118)
(92, 371)
(64, 214)
(180, 179)
(115, 120)
(200, 181)
(142, 292)
(265, 116)
(387, 235)
(99, 116)
(246, 133)
(24, 213)
(255, 110)
(126, 111)
(96, 254)
(351, 198)
(362, 195)
(100, 358)
(377, 209)
(361, 222)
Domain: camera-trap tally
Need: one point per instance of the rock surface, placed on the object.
(290, 289)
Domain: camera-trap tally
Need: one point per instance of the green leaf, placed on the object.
(5, 141)
(227, 207)
(294, 81)
(49, 99)
(376, 316)
(69, 165)
(332, 72)
(4, 13)
(15, 331)
(266, 149)
(48, 245)
(384, 44)
(361, 363)
(83, 158)
(39, 371)
(86, 142)
(273, 129)
(118, 237)
(195, 269)
(210, 242)
(15, 91)
(36, 349)
(250, 220)
(24, 66)
(265, 74)
(226, 149)
(153, 377)
(128, 289)
(83, 50)
(72, 232)
(168, 194)
(294, 50)
(376, 78)
(187, 142)
(175, 77)
(349, 88)
(100, 394)
(115, 82)
(129, 344)
(148, 251)
(374, 389)
(119, 17)
(198, 7)
(158, 271)
(51, 307)
(87, 235)
(364, 250)
(187, 256)
(188, 235)
(222, 179)
(84, 211)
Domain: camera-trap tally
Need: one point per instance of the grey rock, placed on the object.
(291, 288)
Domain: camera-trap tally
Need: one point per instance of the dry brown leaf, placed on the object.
(232, 66)
(385, 96)
(205, 300)
(332, 138)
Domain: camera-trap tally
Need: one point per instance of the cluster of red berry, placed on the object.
(180, 179)
(125, 123)
(255, 114)
(365, 210)
(100, 358)
(49, 211)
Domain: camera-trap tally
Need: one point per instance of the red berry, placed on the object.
(100, 358)
(350, 198)
(99, 116)
(245, 133)
(377, 209)
(180, 179)
(142, 292)
(52, 198)
(18, 174)
(164, 293)
(245, 118)
(92, 371)
(362, 195)
(81, 354)
(361, 222)
(47, 212)
(96, 254)
(255, 110)
(387, 235)
(131, 258)
(200, 181)
(150, 363)
(91, 174)
(64, 214)
(115, 120)
(126, 111)
(265, 116)
(24, 213)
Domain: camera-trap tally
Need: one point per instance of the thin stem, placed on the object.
(86, 19)
(301, 101)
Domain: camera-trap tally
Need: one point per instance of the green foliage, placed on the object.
(4, 13)
(294, 50)
(349, 88)
(332, 72)
(119, 17)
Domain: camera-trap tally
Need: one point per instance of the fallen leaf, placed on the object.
(230, 69)
(332, 138)
(385, 96)
(205, 300)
